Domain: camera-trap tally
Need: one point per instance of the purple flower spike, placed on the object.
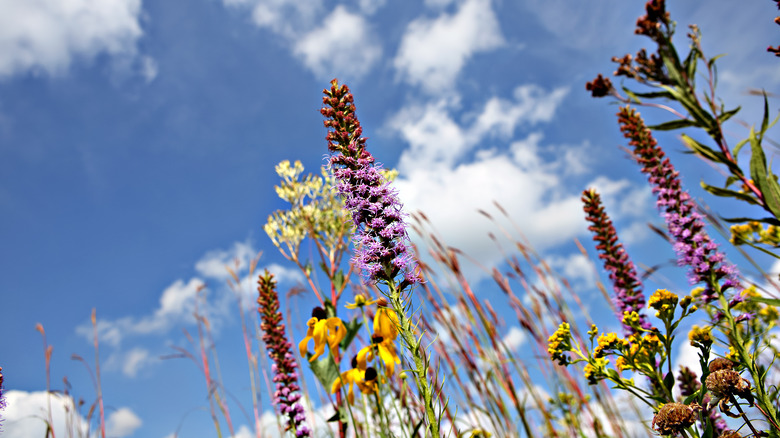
(626, 285)
(693, 245)
(279, 350)
(382, 245)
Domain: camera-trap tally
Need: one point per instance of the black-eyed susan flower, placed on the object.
(363, 378)
(324, 331)
(382, 348)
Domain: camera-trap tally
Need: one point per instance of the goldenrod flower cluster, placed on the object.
(754, 232)
(559, 344)
(700, 337)
(664, 302)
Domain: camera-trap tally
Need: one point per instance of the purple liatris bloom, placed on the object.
(627, 287)
(692, 244)
(382, 246)
(279, 349)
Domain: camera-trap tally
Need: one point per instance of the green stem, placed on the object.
(413, 344)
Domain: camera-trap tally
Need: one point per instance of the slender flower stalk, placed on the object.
(625, 282)
(279, 349)
(692, 244)
(382, 248)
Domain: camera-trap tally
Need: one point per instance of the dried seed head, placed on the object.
(728, 433)
(724, 383)
(721, 363)
(675, 417)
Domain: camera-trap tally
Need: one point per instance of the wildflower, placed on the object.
(693, 246)
(673, 418)
(360, 302)
(725, 383)
(382, 348)
(700, 337)
(355, 376)
(625, 282)
(383, 248)
(386, 323)
(689, 384)
(280, 351)
(560, 343)
(595, 370)
(729, 434)
(720, 363)
(609, 342)
(664, 302)
(324, 331)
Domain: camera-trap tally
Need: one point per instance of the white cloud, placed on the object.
(342, 46)
(46, 36)
(438, 178)
(515, 338)
(433, 51)
(131, 362)
(122, 422)
(286, 18)
(26, 416)
(215, 263)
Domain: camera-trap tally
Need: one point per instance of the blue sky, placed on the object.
(138, 142)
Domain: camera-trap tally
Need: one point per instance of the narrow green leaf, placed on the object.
(651, 94)
(731, 180)
(674, 124)
(704, 150)
(669, 381)
(692, 397)
(739, 220)
(634, 98)
(728, 114)
(738, 147)
(726, 193)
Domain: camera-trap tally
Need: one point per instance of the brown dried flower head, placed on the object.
(721, 363)
(600, 86)
(673, 418)
(728, 433)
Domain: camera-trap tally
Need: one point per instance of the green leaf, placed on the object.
(739, 220)
(728, 114)
(674, 124)
(770, 301)
(738, 147)
(726, 193)
(669, 381)
(692, 397)
(731, 180)
(338, 280)
(651, 94)
(704, 150)
(767, 184)
(325, 370)
(352, 329)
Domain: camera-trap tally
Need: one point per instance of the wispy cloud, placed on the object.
(46, 36)
(342, 46)
(433, 51)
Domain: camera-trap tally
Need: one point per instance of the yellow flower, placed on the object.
(664, 302)
(324, 331)
(386, 323)
(609, 342)
(700, 337)
(360, 301)
(364, 378)
(560, 343)
(384, 349)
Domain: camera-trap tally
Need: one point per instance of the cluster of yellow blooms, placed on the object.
(754, 232)
(330, 332)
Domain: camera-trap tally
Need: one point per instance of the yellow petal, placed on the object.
(336, 332)
(388, 358)
(364, 355)
(386, 323)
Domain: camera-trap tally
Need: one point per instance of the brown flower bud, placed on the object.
(728, 433)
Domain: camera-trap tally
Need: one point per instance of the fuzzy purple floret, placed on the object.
(383, 250)
(692, 244)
